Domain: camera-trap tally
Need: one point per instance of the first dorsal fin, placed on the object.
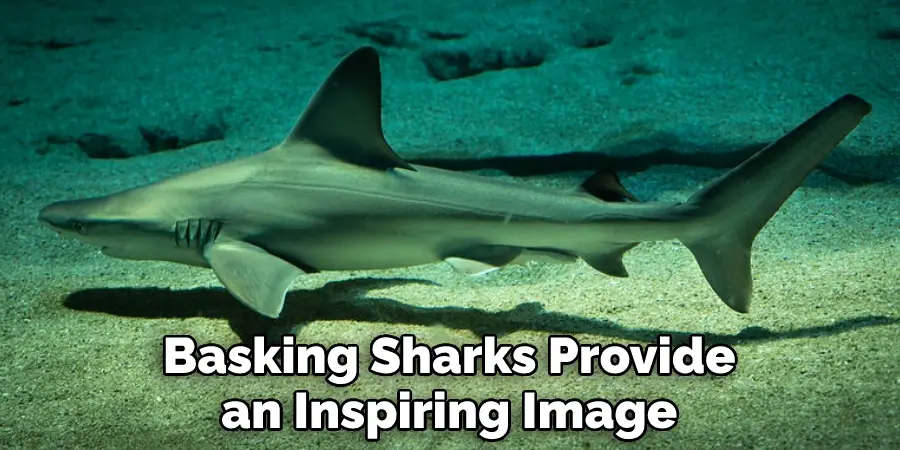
(344, 117)
(606, 186)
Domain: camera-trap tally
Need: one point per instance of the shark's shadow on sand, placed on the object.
(633, 156)
(347, 300)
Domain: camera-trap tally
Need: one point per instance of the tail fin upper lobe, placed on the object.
(729, 212)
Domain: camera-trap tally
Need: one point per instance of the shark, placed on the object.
(333, 195)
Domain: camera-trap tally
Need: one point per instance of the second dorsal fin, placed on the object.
(606, 186)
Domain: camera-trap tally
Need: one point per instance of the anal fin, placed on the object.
(546, 255)
(608, 259)
(257, 278)
(481, 259)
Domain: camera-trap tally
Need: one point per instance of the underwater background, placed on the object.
(100, 96)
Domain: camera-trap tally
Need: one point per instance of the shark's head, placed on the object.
(79, 219)
(103, 222)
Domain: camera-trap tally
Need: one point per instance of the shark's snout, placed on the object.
(50, 215)
(54, 215)
(63, 216)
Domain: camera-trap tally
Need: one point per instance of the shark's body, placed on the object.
(334, 196)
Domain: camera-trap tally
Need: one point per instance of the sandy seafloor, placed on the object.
(819, 365)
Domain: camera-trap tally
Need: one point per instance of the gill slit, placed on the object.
(196, 233)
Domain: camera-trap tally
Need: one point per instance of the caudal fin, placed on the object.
(729, 212)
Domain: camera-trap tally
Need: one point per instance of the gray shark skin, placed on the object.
(334, 196)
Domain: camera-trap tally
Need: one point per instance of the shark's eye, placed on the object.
(79, 227)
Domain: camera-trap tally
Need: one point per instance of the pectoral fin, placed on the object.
(257, 278)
